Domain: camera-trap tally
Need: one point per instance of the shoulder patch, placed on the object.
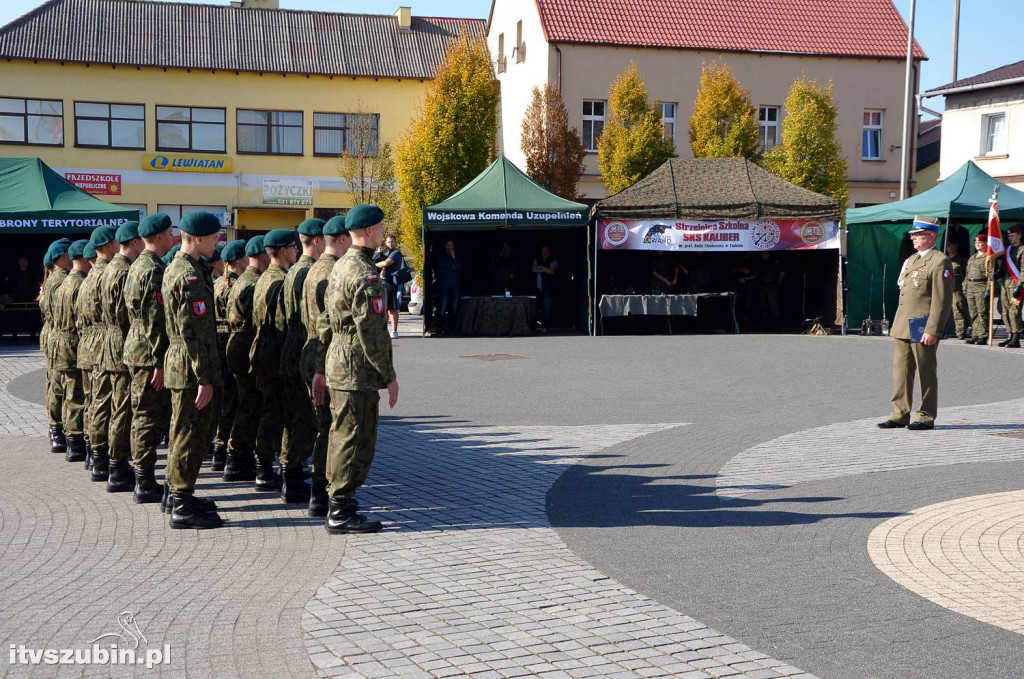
(199, 308)
(373, 278)
(192, 279)
(945, 274)
(378, 305)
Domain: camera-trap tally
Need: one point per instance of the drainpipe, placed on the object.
(559, 81)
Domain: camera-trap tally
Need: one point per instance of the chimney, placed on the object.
(404, 16)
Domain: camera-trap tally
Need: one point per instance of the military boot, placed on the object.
(76, 448)
(318, 500)
(186, 513)
(239, 468)
(342, 517)
(1005, 342)
(166, 503)
(294, 488)
(58, 442)
(100, 466)
(147, 490)
(122, 478)
(88, 455)
(220, 454)
(267, 480)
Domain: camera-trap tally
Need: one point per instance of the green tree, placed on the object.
(633, 143)
(368, 167)
(451, 139)
(554, 151)
(810, 154)
(724, 122)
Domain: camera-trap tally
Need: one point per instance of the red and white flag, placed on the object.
(995, 233)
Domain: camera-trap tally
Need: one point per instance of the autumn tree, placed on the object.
(367, 166)
(554, 151)
(724, 121)
(810, 154)
(633, 143)
(451, 139)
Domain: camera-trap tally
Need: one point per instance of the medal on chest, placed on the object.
(917, 279)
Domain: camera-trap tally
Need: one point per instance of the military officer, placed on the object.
(314, 294)
(64, 347)
(144, 350)
(60, 265)
(241, 461)
(1009, 306)
(358, 364)
(926, 291)
(191, 367)
(235, 263)
(958, 263)
(976, 290)
(110, 358)
(299, 418)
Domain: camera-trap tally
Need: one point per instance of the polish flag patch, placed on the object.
(160, 298)
(199, 308)
(945, 274)
(192, 279)
(378, 305)
(372, 278)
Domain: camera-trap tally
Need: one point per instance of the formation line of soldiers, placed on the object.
(971, 278)
(240, 354)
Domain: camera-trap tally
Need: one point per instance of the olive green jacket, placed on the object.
(926, 290)
(64, 336)
(115, 315)
(50, 287)
(191, 359)
(268, 320)
(90, 316)
(146, 343)
(240, 321)
(295, 330)
(314, 300)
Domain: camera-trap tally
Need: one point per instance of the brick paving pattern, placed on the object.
(19, 417)
(966, 555)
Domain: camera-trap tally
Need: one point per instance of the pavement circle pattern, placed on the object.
(966, 555)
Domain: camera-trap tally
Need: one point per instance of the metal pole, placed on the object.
(905, 155)
(956, 35)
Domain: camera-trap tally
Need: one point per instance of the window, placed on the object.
(668, 120)
(502, 64)
(185, 128)
(32, 121)
(871, 144)
(113, 126)
(593, 124)
(993, 127)
(520, 52)
(352, 133)
(271, 132)
(768, 121)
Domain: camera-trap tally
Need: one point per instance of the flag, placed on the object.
(995, 234)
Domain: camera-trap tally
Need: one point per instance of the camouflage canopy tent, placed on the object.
(714, 212)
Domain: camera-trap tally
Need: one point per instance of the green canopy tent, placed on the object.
(876, 234)
(35, 199)
(502, 199)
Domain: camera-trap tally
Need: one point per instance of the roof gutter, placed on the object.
(974, 87)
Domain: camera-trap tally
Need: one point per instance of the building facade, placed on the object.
(582, 47)
(984, 122)
(242, 111)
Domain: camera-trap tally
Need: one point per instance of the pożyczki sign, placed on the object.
(719, 236)
(287, 191)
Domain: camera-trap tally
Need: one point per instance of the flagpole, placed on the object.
(991, 305)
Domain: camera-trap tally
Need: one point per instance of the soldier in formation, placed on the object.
(64, 340)
(961, 314)
(1009, 306)
(976, 289)
(57, 265)
(235, 263)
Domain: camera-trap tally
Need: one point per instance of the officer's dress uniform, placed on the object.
(111, 361)
(65, 342)
(265, 356)
(961, 314)
(241, 464)
(54, 386)
(299, 421)
(975, 289)
(926, 290)
(144, 351)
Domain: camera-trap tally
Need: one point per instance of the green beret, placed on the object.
(200, 224)
(363, 215)
(90, 251)
(77, 249)
(47, 261)
(170, 254)
(154, 224)
(102, 235)
(254, 248)
(216, 256)
(335, 226)
(128, 231)
(312, 227)
(58, 248)
(279, 238)
(233, 251)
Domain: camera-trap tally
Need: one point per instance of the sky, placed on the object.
(990, 30)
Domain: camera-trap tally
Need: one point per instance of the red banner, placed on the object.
(693, 236)
(98, 184)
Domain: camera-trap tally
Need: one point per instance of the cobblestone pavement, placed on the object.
(19, 417)
(966, 555)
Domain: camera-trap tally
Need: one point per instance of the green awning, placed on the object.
(503, 197)
(35, 199)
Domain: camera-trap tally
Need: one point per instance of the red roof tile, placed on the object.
(985, 80)
(860, 28)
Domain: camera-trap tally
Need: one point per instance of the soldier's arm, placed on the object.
(156, 333)
(199, 332)
(367, 312)
(324, 333)
(278, 312)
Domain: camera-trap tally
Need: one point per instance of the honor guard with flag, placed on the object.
(1010, 291)
(926, 296)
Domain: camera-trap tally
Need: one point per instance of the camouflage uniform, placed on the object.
(64, 342)
(96, 386)
(228, 400)
(358, 363)
(191, 361)
(110, 358)
(314, 297)
(1009, 307)
(268, 320)
(144, 350)
(242, 442)
(976, 287)
(54, 386)
(300, 421)
(961, 314)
